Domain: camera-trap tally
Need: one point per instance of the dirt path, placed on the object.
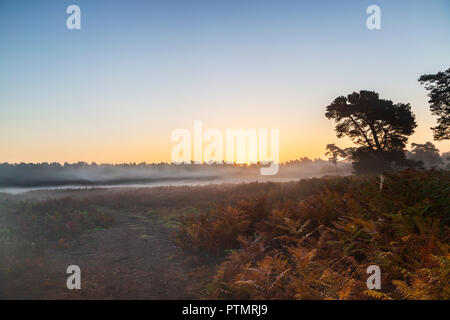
(134, 259)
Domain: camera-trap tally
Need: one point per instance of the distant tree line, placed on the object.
(93, 174)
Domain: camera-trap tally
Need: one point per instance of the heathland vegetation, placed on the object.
(310, 239)
(319, 245)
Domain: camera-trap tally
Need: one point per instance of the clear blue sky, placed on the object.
(116, 89)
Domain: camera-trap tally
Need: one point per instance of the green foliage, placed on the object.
(58, 219)
(5, 234)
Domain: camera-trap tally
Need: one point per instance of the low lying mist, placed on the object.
(83, 174)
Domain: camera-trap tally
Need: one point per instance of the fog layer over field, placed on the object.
(83, 174)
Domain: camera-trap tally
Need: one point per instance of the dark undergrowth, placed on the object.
(316, 239)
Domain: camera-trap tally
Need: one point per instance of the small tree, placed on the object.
(427, 153)
(439, 86)
(334, 152)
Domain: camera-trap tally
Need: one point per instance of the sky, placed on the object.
(115, 90)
